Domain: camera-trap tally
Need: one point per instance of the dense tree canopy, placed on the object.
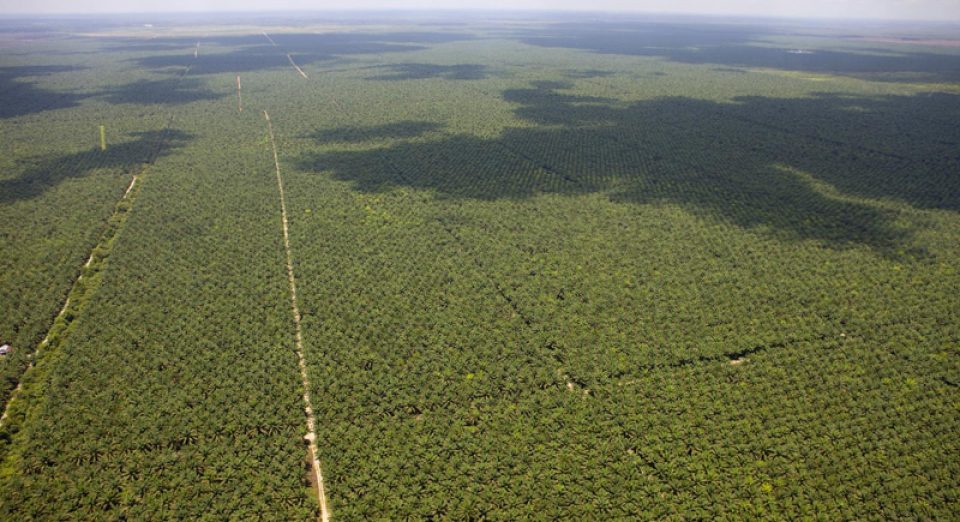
(603, 271)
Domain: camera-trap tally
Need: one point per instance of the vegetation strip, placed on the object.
(81, 290)
(83, 287)
(174, 443)
(311, 436)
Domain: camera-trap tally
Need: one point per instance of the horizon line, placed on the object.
(481, 10)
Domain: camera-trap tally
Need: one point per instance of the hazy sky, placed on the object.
(890, 9)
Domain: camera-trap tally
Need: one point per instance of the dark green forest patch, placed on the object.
(737, 162)
(146, 147)
(21, 96)
(743, 46)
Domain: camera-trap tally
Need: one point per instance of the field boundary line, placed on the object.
(486, 275)
(311, 436)
(467, 252)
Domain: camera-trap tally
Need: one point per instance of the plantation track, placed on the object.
(133, 182)
(297, 67)
(311, 436)
(289, 58)
(239, 97)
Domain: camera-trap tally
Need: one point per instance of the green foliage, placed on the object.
(57, 192)
(548, 272)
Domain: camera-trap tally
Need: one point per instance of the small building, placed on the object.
(5, 349)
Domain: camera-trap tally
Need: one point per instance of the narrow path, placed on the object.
(239, 97)
(289, 57)
(311, 436)
(297, 67)
(126, 193)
